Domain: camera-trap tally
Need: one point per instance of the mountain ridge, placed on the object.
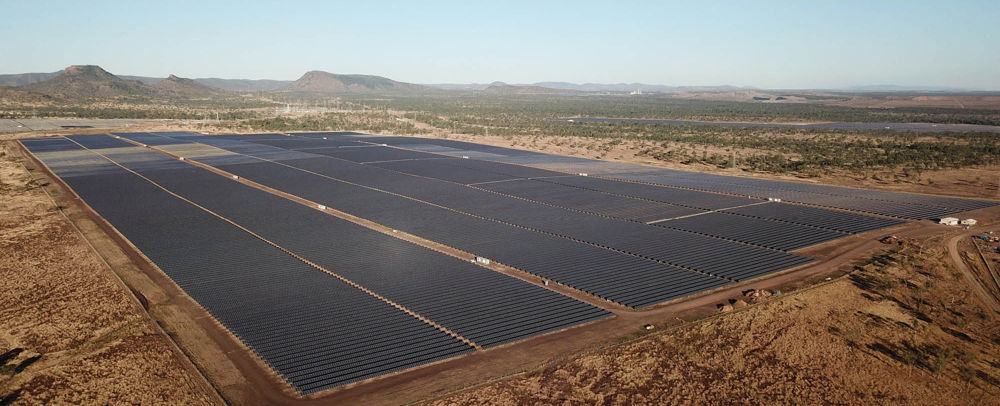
(317, 81)
(264, 85)
(501, 88)
(184, 87)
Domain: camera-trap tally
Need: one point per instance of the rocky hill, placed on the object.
(23, 79)
(183, 87)
(90, 81)
(16, 95)
(244, 85)
(325, 82)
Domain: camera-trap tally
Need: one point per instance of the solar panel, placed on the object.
(590, 201)
(582, 266)
(406, 273)
(672, 247)
(314, 330)
(897, 204)
(812, 216)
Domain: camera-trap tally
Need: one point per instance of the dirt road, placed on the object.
(988, 300)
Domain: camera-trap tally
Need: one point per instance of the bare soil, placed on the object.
(900, 328)
(61, 301)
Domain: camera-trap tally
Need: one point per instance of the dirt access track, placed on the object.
(242, 378)
(985, 296)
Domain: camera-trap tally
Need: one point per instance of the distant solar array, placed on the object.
(326, 302)
(895, 204)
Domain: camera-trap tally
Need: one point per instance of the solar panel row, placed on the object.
(904, 205)
(589, 200)
(268, 299)
(829, 219)
(758, 231)
(681, 197)
(468, 233)
(594, 270)
(150, 139)
(901, 208)
(704, 254)
(796, 214)
(467, 171)
(769, 234)
(484, 306)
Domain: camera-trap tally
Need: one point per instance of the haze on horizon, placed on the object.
(768, 44)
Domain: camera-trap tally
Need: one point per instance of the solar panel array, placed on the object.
(467, 171)
(430, 279)
(547, 191)
(313, 329)
(757, 231)
(312, 352)
(592, 269)
(896, 204)
(634, 236)
(544, 186)
(696, 252)
(765, 233)
(812, 216)
(900, 205)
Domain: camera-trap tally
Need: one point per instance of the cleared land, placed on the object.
(63, 303)
(901, 327)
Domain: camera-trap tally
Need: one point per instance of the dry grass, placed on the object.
(900, 329)
(979, 182)
(61, 302)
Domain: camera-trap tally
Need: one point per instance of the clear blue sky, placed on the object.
(770, 44)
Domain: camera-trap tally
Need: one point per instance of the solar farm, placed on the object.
(321, 252)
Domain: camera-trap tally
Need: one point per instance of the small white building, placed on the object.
(951, 221)
(969, 222)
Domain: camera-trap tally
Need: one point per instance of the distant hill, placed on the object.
(233, 85)
(182, 87)
(18, 95)
(244, 85)
(628, 87)
(595, 87)
(377, 84)
(501, 88)
(23, 79)
(90, 81)
(146, 80)
(325, 82)
(898, 88)
(459, 86)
